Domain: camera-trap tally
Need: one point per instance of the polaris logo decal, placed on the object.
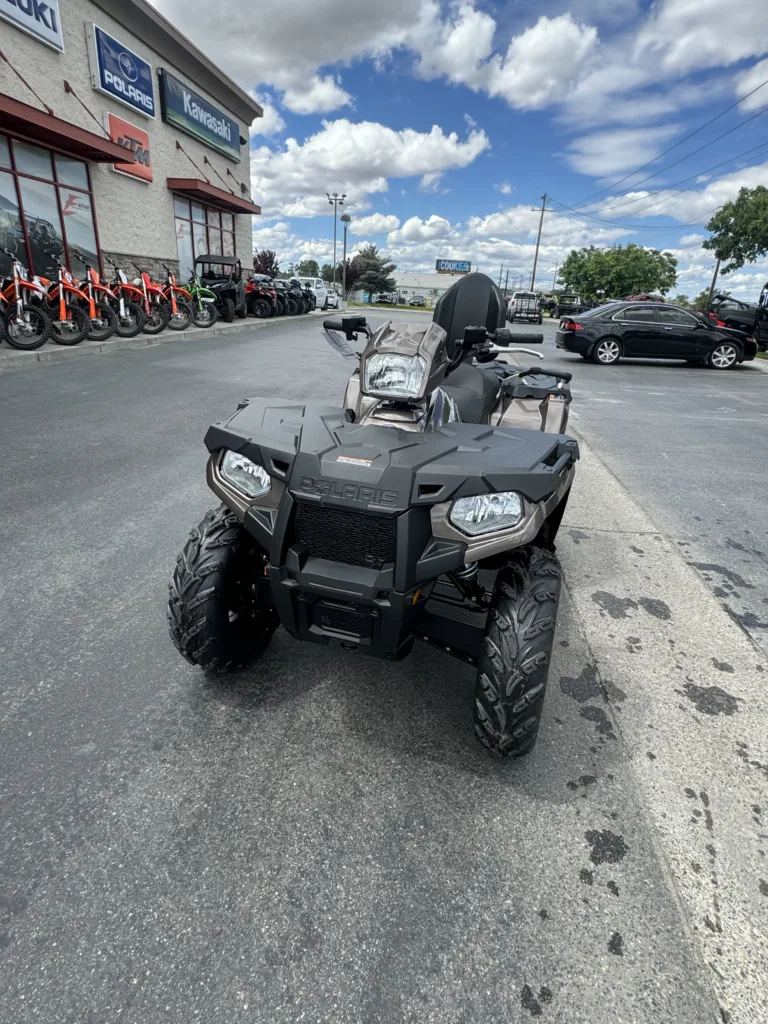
(348, 492)
(122, 74)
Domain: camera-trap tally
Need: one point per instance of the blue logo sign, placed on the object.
(189, 112)
(453, 266)
(122, 74)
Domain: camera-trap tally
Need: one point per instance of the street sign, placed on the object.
(122, 75)
(453, 266)
(189, 112)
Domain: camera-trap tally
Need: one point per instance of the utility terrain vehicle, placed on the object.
(223, 275)
(425, 506)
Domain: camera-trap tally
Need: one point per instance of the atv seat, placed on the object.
(475, 390)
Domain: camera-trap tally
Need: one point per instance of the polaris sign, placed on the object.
(36, 18)
(121, 74)
(453, 266)
(189, 112)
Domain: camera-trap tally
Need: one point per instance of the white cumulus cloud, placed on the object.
(417, 230)
(374, 224)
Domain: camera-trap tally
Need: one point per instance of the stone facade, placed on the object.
(134, 218)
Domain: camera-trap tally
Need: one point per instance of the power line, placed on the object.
(630, 227)
(682, 181)
(685, 139)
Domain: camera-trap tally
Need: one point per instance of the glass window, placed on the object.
(677, 316)
(5, 152)
(184, 248)
(198, 213)
(41, 212)
(11, 232)
(214, 218)
(71, 172)
(228, 222)
(214, 242)
(77, 210)
(200, 240)
(32, 160)
(181, 207)
(637, 314)
(228, 243)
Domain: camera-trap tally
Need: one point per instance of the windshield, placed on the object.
(597, 310)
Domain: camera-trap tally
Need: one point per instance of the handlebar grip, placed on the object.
(528, 339)
(333, 325)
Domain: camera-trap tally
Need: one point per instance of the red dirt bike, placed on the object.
(100, 300)
(156, 309)
(130, 304)
(25, 322)
(64, 304)
(179, 302)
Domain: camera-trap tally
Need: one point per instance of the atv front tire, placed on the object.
(513, 668)
(214, 615)
(227, 311)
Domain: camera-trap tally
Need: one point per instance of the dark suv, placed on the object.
(650, 330)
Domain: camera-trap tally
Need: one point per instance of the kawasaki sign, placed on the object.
(189, 112)
(36, 18)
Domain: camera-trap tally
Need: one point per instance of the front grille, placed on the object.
(355, 538)
(342, 618)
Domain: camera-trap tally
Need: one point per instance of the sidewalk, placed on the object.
(12, 359)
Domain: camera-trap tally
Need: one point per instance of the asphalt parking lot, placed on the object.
(322, 839)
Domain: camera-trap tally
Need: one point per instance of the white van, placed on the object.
(320, 288)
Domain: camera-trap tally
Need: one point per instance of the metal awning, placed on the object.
(203, 192)
(47, 130)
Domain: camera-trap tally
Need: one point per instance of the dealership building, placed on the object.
(119, 140)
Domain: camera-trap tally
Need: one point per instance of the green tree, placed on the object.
(621, 270)
(353, 274)
(701, 301)
(309, 268)
(375, 271)
(740, 229)
(265, 262)
(327, 272)
(682, 300)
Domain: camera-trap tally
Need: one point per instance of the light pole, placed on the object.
(538, 239)
(335, 200)
(346, 220)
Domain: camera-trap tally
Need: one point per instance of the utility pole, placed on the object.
(501, 271)
(554, 278)
(506, 284)
(336, 201)
(538, 239)
(346, 220)
(714, 280)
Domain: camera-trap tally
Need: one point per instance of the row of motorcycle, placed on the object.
(34, 309)
(266, 297)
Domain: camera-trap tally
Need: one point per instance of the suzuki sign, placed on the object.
(36, 18)
(121, 74)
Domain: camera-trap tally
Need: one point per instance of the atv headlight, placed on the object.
(245, 476)
(395, 376)
(487, 513)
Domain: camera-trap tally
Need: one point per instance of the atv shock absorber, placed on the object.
(467, 583)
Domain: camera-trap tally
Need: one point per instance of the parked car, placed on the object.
(524, 306)
(751, 317)
(331, 299)
(417, 300)
(649, 330)
(319, 288)
(224, 276)
(387, 299)
(568, 304)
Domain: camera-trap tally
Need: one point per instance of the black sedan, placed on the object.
(652, 330)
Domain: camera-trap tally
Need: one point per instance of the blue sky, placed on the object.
(444, 122)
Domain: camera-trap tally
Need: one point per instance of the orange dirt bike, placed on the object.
(65, 306)
(179, 302)
(25, 321)
(156, 309)
(99, 300)
(129, 307)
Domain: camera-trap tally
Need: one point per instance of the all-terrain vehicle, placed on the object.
(425, 506)
(749, 317)
(223, 275)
